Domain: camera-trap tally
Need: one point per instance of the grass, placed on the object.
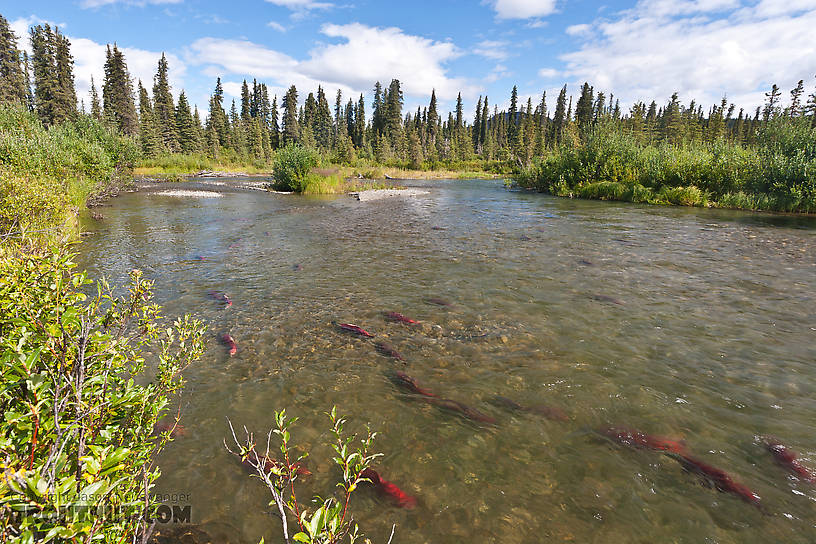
(179, 164)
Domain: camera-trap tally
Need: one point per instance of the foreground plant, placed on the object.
(331, 521)
(77, 439)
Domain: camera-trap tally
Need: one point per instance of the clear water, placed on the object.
(694, 324)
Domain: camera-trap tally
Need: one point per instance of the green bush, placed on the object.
(332, 521)
(778, 173)
(292, 166)
(76, 444)
(46, 175)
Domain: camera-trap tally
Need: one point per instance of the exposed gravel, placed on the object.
(376, 194)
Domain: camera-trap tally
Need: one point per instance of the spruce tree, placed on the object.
(512, 118)
(359, 123)
(796, 108)
(12, 74)
(393, 111)
(187, 133)
(45, 73)
(274, 127)
(322, 125)
(199, 131)
(559, 121)
(377, 123)
(96, 109)
(246, 102)
(117, 93)
(148, 133)
(771, 104)
(290, 131)
(485, 122)
(217, 129)
(477, 126)
(583, 109)
(65, 95)
(163, 108)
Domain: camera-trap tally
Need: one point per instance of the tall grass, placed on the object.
(778, 173)
(178, 163)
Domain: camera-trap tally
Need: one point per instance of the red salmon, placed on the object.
(407, 382)
(635, 438)
(721, 479)
(348, 327)
(467, 411)
(388, 350)
(390, 490)
(550, 412)
(222, 297)
(229, 341)
(396, 317)
(169, 424)
(788, 459)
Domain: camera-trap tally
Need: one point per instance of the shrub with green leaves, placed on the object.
(330, 522)
(292, 166)
(776, 173)
(77, 436)
(46, 175)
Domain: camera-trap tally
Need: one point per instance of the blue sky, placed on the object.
(636, 49)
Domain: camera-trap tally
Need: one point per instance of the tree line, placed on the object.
(254, 126)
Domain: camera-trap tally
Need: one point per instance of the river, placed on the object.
(693, 324)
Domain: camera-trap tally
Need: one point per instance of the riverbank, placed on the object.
(72, 349)
(190, 165)
(47, 176)
(776, 173)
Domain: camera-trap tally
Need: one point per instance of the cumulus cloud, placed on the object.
(492, 49)
(702, 49)
(549, 73)
(498, 72)
(140, 3)
(301, 5)
(277, 26)
(89, 60)
(21, 26)
(522, 9)
(363, 56)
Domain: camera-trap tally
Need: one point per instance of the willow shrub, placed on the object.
(46, 175)
(292, 167)
(76, 444)
(778, 173)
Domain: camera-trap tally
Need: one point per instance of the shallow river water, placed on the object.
(698, 325)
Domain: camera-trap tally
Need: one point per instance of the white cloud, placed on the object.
(89, 60)
(579, 30)
(498, 72)
(522, 9)
(364, 55)
(549, 73)
(492, 49)
(277, 26)
(21, 26)
(301, 5)
(702, 49)
(140, 3)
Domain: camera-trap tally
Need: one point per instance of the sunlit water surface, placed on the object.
(695, 324)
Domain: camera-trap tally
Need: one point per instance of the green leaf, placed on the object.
(318, 521)
(302, 537)
(91, 493)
